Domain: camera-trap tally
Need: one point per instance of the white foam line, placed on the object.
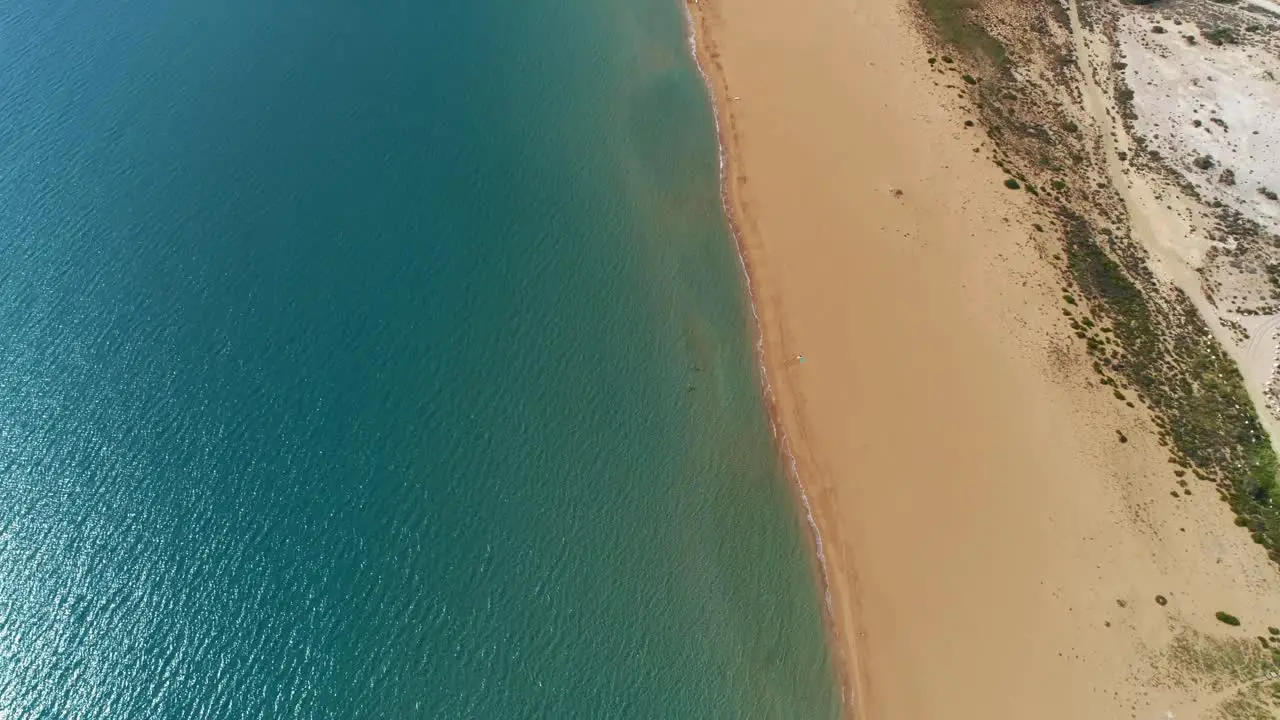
(775, 425)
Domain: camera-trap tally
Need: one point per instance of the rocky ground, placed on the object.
(1201, 83)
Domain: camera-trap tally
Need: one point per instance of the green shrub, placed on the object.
(1227, 618)
(1220, 36)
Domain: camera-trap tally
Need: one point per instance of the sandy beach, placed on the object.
(996, 527)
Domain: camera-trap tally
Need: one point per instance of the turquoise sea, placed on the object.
(381, 360)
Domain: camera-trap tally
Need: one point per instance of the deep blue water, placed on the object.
(378, 360)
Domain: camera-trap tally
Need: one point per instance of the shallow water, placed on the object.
(380, 361)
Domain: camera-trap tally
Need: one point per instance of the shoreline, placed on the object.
(989, 527)
(702, 51)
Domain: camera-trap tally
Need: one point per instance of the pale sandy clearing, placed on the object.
(1197, 100)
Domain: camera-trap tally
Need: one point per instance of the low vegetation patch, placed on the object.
(955, 24)
(1147, 340)
(1240, 673)
(1168, 356)
(1221, 36)
(1148, 344)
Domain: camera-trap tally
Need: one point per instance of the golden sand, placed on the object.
(994, 551)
